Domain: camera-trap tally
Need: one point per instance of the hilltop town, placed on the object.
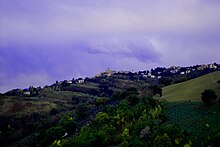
(158, 76)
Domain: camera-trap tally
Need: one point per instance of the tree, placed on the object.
(157, 90)
(133, 99)
(208, 96)
(54, 133)
(165, 81)
(82, 111)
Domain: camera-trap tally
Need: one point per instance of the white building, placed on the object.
(27, 93)
(80, 80)
(145, 76)
(188, 71)
(69, 82)
(152, 76)
(174, 71)
(212, 66)
(149, 74)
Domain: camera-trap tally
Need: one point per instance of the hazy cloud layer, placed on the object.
(46, 40)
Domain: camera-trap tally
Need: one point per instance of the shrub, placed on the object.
(162, 140)
(68, 123)
(54, 133)
(100, 101)
(165, 81)
(208, 96)
(102, 117)
(133, 99)
(157, 90)
(90, 137)
(82, 111)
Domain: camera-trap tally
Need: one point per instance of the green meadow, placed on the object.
(191, 90)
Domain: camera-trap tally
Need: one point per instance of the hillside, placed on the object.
(110, 109)
(193, 116)
(191, 90)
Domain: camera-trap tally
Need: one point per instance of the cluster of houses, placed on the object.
(68, 82)
(161, 71)
(158, 73)
(79, 81)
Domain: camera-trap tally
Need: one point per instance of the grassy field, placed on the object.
(191, 90)
(199, 120)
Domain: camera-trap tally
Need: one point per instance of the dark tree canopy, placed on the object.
(165, 81)
(208, 96)
(156, 90)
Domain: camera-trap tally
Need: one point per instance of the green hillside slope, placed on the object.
(191, 90)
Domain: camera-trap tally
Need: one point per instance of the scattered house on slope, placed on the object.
(80, 80)
(175, 67)
(188, 71)
(152, 76)
(202, 67)
(145, 76)
(69, 82)
(149, 74)
(27, 93)
(212, 66)
(174, 71)
(124, 72)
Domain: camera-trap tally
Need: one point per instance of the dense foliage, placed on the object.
(135, 121)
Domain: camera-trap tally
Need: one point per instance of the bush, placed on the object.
(208, 96)
(162, 140)
(102, 117)
(133, 99)
(54, 133)
(157, 90)
(118, 95)
(90, 137)
(165, 81)
(101, 100)
(82, 111)
(68, 123)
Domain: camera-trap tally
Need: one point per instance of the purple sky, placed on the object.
(42, 41)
